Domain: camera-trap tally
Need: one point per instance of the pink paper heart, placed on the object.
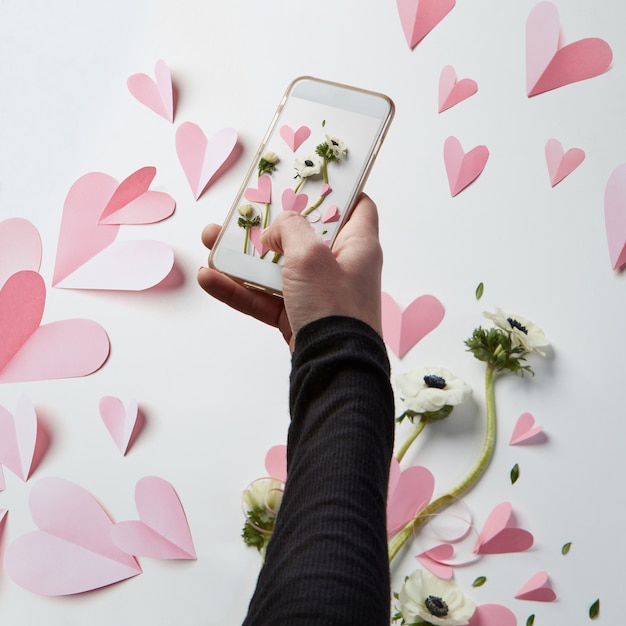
(525, 429)
(263, 192)
(119, 420)
(88, 257)
(156, 95)
(326, 189)
(561, 164)
(294, 138)
(20, 247)
(255, 238)
(499, 536)
(411, 492)
(201, 159)
(292, 201)
(419, 17)
(549, 66)
(72, 551)
(276, 462)
(162, 532)
(537, 588)
(434, 560)
(493, 615)
(331, 215)
(18, 438)
(615, 215)
(62, 349)
(133, 203)
(463, 168)
(403, 329)
(453, 91)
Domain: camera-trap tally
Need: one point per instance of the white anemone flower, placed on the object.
(523, 332)
(338, 147)
(264, 494)
(308, 166)
(271, 157)
(436, 601)
(429, 389)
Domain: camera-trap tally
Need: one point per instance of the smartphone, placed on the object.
(314, 159)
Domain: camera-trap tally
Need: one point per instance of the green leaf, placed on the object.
(479, 582)
(514, 473)
(594, 609)
(531, 620)
(323, 123)
(479, 291)
(566, 548)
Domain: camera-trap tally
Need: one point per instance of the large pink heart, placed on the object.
(262, 193)
(72, 551)
(293, 201)
(561, 164)
(498, 535)
(615, 215)
(419, 17)
(18, 437)
(403, 329)
(548, 66)
(20, 247)
(156, 95)
(294, 138)
(162, 532)
(453, 91)
(463, 168)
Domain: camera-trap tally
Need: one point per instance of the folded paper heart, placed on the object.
(615, 215)
(524, 429)
(255, 238)
(453, 91)
(492, 615)
(156, 94)
(411, 492)
(537, 588)
(294, 138)
(548, 65)
(434, 560)
(18, 437)
(403, 329)
(331, 215)
(119, 420)
(293, 201)
(463, 168)
(561, 164)
(499, 536)
(202, 158)
(72, 552)
(419, 17)
(263, 191)
(20, 247)
(276, 462)
(88, 255)
(162, 531)
(28, 351)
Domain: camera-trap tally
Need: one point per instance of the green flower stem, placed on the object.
(246, 239)
(276, 257)
(297, 188)
(467, 483)
(266, 218)
(313, 206)
(410, 439)
(325, 170)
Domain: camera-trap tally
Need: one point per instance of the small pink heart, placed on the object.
(331, 215)
(326, 189)
(499, 536)
(548, 65)
(119, 420)
(255, 238)
(294, 139)
(163, 531)
(403, 329)
(263, 192)
(537, 588)
(156, 95)
(411, 493)
(20, 247)
(434, 560)
(419, 17)
(561, 164)
(72, 552)
(525, 429)
(18, 438)
(294, 202)
(453, 91)
(492, 615)
(463, 168)
(276, 462)
(201, 159)
(615, 215)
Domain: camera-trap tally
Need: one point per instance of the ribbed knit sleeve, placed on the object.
(327, 560)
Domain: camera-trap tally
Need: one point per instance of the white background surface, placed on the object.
(213, 384)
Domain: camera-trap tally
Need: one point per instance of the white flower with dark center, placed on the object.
(523, 332)
(337, 147)
(424, 597)
(429, 389)
(308, 166)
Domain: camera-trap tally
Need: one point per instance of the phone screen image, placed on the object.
(313, 161)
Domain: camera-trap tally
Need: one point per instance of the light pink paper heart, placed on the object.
(411, 492)
(295, 138)
(453, 91)
(20, 247)
(18, 438)
(561, 164)
(326, 189)
(493, 615)
(63, 349)
(119, 420)
(276, 462)
(615, 215)
(463, 168)
(403, 329)
(201, 159)
(419, 17)
(548, 65)
(72, 552)
(255, 238)
(263, 191)
(156, 95)
(525, 429)
(88, 257)
(538, 588)
(293, 201)
(434, 560)
(162, 532)
(331, 215)
(133, 202)
(499, 536)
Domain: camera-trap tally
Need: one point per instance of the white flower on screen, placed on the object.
(337, 147)
(522, 331)
(310, 165)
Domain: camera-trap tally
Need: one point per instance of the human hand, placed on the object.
(317, 281)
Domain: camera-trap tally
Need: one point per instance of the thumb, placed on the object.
(288, 232)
